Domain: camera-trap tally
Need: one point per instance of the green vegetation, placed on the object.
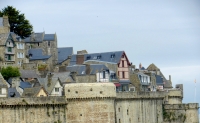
(42, 67)
(18, 24)
(10, 72)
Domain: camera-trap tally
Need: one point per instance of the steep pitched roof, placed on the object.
(28, 74)
(37, 54)
(63, 76)
(48, 84)
(63, 53)
(159, 80)
(12, 92)
(112, 57)
(49, 37)
(105, 56)
(81, 69)
(35, 37)
(152, 67)
(97, 67)
(32, 92)
(24, 85)
(4, 37)
(2, 81)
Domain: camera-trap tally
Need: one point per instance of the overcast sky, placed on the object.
(166, 33)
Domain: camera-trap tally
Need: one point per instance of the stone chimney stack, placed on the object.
(140, 66)
(5, 21)
(170, 80)
(50, 75)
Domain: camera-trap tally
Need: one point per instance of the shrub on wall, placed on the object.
(10, 72)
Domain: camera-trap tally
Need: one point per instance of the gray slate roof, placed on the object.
(81, 69)
(159, 80)
(63, 76)
(24, 85)
(12, 92)
(37, 54)
(2, 81)
(3, 38)
(113, 57)
(48, 87)
(31, 92)
(49, 37)
(28, 74)
(35, 37)
(63, 53)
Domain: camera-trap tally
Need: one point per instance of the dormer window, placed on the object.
(30, 55)
(88, 57)
(99, 56)
(112, 56)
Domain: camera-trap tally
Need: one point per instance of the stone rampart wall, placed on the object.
(139, 110)
(181, 113)
(33, 110)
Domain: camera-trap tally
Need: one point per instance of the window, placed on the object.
(104, 74)
(112, 56)
(122, 63)
(49, 43)
(9, 49)
(56, 89)
(38, 44)
(9, 43)
(123, 74)
(99, 56)
(9, 57)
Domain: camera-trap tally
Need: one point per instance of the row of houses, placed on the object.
(45, 69)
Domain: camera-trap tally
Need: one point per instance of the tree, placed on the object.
(18, 24)
(10, 72)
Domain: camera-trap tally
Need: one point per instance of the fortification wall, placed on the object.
(33, 110)
(139, 107)
(98, 103)
(175, 96)
(90, 102)
(181, 113)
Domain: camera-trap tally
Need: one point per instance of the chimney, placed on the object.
(170, 79)
(5, 21)
(87, 71)
(140, 66)
(49, 77)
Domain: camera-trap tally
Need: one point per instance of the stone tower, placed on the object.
(90, 102)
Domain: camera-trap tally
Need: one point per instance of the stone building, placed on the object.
(116, 61)
(46, 42)
(20, 52)
(7, 49)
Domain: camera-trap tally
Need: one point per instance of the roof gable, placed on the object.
(49, 84)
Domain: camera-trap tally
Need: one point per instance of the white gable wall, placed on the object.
(59, 88)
